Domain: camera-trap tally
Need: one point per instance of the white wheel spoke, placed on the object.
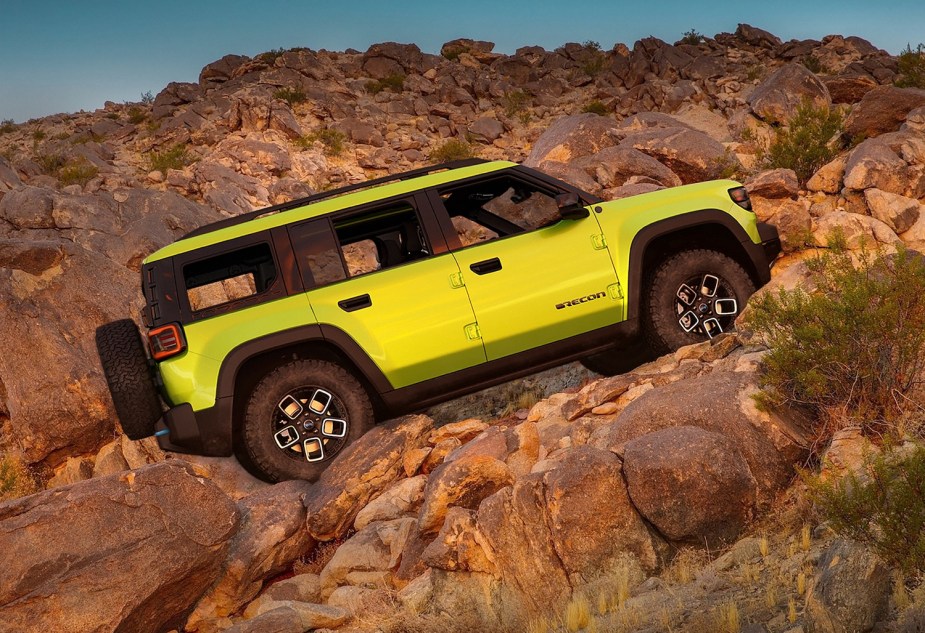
(688, 321)
(709, 285)
(320, 402)
(687, 295)
(725, 307)
(314, 449)
(712, 327)
(287, 437)
(290, 407)
(334, 427)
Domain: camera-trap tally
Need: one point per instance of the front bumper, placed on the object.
(205, 432)
(770, 241)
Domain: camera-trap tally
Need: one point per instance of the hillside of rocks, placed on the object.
(621, 491)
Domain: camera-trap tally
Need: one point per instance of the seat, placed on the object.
(388, 251)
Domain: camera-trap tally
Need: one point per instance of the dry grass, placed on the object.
(727, 618)
(577, 614)
(318, 558)
(684, 566)
(16, 480)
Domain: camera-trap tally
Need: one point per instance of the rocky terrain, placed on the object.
(659, 500)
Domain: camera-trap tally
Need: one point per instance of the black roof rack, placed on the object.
(301, 202)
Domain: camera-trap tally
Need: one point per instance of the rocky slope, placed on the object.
(587, 492)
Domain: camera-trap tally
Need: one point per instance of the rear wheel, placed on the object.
(693, 296)
(301, 416)
(125, 366)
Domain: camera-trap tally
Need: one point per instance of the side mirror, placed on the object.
(570, 206)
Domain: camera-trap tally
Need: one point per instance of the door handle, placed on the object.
(355, 303)
(485, 267)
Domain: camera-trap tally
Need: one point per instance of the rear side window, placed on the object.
(229, 277)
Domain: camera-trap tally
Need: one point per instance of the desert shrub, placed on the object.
(596, 107)
(807, 142)
(596, 61)
(911, 67)
(452, 53)
(38, 135)
(854, 349)
(50, 163)
(515, 102)
(814, 65)
(176, 157)
(136, 115)
(392, 83)
(332, 140)
(15, 479)
(7, 126)
(691, 37)
(78, 172)
(147, 98)
(883, 508)
(271, 56)
(292, 96)
(452, 149)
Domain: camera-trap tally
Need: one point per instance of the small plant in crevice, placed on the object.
(176, 157)
(814, 65)
(809, 141)
(596, 60)
(515, 102)
(332, 140)
(450, 150)
(392, 83)
(147, 98)
(77, 172)
(596, 107)
(911, 66)
(291, 95)
(15, 479)
(691, 37)
(136, 115)
(7, 126)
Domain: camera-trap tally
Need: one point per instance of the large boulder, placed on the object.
(360, 473)
(719, 402)
(128, 552)
(272, 535)
(572, 137)
(883, 109)
(462, 483)
(874, 163)
(857, 230)
(773, 183)
(791, 217)
(613, 166)
(778, 97)
(692, 485)
(898, 212)
(690, 154)
(850, 593)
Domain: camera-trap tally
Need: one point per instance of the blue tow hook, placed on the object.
(162, 433)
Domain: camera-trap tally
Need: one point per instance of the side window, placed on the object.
(381, 238)
(497, 208)
(358, 244)
(231, 276)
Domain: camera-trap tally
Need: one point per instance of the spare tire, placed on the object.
(125, 365)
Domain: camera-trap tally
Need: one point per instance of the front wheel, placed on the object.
(302, 415)
(693, 296)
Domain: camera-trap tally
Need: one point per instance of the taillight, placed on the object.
(166, 341)
(740, 196)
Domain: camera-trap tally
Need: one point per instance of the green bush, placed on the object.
(515, 102)
(883, 508)
(177, 157)
(271, 56)
(453, 149)
(15, 479)
(7, 126)
(392, 83)
(78, 172)
(854, 349)
(50, 163)
(814, 65)
(147, 98)
(136, 115)
(292, 96)
(691, 37)
(596, 107)
(808, 142)
(332, 140)
(912, 67)
(596, 61)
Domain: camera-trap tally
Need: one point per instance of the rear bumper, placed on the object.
(770, 241)
(205, 432)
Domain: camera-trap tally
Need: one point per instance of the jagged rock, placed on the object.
(389, 58)
(791, 217)
(299, 588)
(376, 548)
(9, 179)
(459, 546)
(173, 531)
(874, 164)
(721, 403)
(915, 121)
(272, 535)
(613, 166)
(883, 109)
(304, 615)
(439, 453)
(777, 97)
(897, 212)
(466, 45)
(829, 177)
(552, 531)
(360, 132)
(850, 592)
(75, 469)
(847, 452)
(350, 598)
(109, 460)
(572, 137)
(757, 37)
(850, 88)
(361, 472)
(486, 129)
(463, 430)
(690, 154)
(692, 485)
(221, 70)
(857, 230)
(403, 498)
(773, 183)
(492, 442)
(463, 483)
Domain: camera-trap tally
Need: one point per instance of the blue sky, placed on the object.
(66, 56)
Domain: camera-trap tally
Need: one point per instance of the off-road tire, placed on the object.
(128, 374)
(659, 312)
(622, 358)
(259, 447)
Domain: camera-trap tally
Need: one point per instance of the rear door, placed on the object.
(374, 275)
(532, 279)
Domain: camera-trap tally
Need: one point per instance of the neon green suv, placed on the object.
(282, 335)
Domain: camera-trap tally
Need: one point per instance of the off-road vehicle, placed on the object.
(282, 335)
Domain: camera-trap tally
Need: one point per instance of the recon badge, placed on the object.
(586, 299)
